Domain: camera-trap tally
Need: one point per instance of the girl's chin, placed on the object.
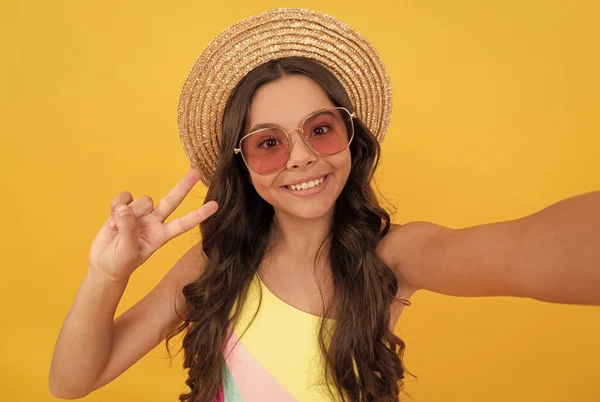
(307, 212)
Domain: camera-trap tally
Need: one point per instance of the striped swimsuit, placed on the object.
(278, 358)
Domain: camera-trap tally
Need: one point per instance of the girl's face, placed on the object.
(285, 103)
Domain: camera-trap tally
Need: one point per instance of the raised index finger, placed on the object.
(173, 199)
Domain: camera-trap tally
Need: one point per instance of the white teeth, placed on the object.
(306, 185)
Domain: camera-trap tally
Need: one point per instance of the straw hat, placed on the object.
(271, 35)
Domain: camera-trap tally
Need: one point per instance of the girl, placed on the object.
(295, 289)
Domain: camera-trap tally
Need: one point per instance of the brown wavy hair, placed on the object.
(364, 358)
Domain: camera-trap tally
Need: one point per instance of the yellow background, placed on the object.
(495, 117)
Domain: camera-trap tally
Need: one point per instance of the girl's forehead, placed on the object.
(287, 101)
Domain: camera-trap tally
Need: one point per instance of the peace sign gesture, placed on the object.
(136, 229)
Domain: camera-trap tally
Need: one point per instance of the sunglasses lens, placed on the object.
(329, 131)
(266, 151)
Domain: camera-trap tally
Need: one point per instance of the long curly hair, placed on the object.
(363, 358)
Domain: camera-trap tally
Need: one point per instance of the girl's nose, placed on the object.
(301, 156)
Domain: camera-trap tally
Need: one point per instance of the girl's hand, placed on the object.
(135, 229)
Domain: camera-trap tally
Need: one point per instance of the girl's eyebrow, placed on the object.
(264, 125)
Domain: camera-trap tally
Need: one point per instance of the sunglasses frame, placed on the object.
(300, 131)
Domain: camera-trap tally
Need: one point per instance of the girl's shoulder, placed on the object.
(402, 247)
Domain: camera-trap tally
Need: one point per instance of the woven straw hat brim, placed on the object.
(271, 35)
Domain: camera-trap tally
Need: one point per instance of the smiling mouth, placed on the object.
(306, 185)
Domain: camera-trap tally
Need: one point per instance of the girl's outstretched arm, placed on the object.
(552, 255)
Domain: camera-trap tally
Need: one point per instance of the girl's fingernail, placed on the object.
(122, 211)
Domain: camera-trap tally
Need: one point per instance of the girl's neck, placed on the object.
(299, 238)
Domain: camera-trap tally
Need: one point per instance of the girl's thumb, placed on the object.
(128, 231)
